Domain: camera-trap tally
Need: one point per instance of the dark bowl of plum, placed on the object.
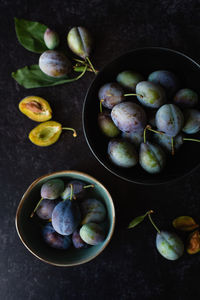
(170, 107)
(73, 205)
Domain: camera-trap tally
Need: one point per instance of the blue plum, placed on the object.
(186, 98)
(129, 117)
(77, 240)
(166, 79)
(169, 119)
(92, 210)
(66, 217)
(165, 141)
(169, 245)
(111, 94)
(92, 234)
(45, 209)
(150, 94)
(152, 158)
(192, 121)
(122, 153)
(129, 79)
(54, 239)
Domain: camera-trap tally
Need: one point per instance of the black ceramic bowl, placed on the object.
(144, 61)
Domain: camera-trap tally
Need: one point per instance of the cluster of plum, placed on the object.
(70, 216)
(168, 111)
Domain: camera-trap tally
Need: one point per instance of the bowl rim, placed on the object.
(173, 180)
(26, 194)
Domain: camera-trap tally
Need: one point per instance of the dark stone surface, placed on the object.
(130, 268)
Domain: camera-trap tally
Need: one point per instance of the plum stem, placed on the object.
(32, 214)
(172, 143)
(81, 75)
(191, 140)
(68, 128)
(127, 95)
(91, 65)
(152, 222)
(101, 101)
(144, 134)
(88, 186)
(81, 69)
(153, 130)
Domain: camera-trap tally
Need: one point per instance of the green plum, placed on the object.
(107, 125)
(151, 157)
(186, 98)
(129, 79)
(169, 119)
(169, 245)
(122, 153)
(150, 94)
(192, 121)
(92, 234)
(51, 39)
(80, 41)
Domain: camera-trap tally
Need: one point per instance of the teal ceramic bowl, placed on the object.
(29, 231)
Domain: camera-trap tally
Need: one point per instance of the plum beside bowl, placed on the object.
(144, 61)
(30, 233)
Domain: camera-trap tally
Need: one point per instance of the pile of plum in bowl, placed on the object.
(141, 116)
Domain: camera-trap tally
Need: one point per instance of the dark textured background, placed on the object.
(130, 268)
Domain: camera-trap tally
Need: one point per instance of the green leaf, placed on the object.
(137, 220)
(30, 35)
(32, 77)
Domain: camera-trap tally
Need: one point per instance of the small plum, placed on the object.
(151, 158)
(80, 41)
(122, 153)
(186, 98)
(54, 63)
(78, 189)
(169, 245)
(106, 125)
(66, 217)
(45, 209)
(77, 240)
(92, 210)
(169, 119)
(165, 141)
(129, 117)
(133, 137)
(111, 94)
(92, 234)
(52, 189)
(192, 121)
(51, 39)
(129, 79)
(166, 79)
(150, 94)
(54, 239)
